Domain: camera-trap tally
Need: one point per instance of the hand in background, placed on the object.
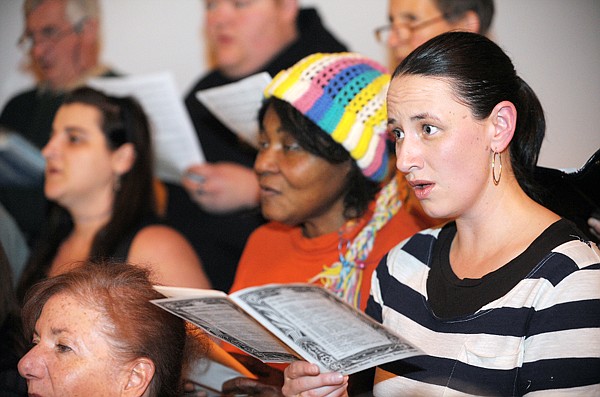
(301, 376)
(268, 384)
(594, 224)
(222, 187)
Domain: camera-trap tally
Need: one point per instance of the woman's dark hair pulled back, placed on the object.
(481, 76)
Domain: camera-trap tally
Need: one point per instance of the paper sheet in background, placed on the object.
(236, 105)
(175, 142)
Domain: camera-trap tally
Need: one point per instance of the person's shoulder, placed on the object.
(419, 244)
(158, 233)
(159, 242)
(582, 253)
(22, 97)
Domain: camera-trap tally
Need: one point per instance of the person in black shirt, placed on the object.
(246, 37)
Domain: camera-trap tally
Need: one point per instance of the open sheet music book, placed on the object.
(286, 322)
(176, 145)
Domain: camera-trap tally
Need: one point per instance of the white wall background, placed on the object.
(555, 45)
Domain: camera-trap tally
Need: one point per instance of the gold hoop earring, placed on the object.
(117, 184)
(496, 180)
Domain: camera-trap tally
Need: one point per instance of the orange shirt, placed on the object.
(276, 253)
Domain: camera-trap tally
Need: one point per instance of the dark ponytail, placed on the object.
(527, 141)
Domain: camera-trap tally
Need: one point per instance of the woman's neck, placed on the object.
(90, 222)
(323, 225)
(501, 231)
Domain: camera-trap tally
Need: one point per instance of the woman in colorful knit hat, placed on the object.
(321, 161)
(321, 165)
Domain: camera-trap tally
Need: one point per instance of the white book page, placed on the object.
(222, 318)
(236, 105)
(322, 328)
(176, 145)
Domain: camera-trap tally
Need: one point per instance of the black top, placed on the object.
(47, 247)
(31, 113)
(219, 239)
(574, 195)
(12, 348)
(451, 297)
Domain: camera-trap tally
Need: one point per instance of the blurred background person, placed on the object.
(95, 332)
(99, 173)
(413, 22)
(62, 39)
(245, 37)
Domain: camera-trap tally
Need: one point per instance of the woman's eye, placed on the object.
(211, 4)
(62, 348)
(74, 139)
(242, 3)
(397, 133)
(292, 147)
(429, 129)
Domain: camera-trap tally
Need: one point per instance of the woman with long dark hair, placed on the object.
(99, 173)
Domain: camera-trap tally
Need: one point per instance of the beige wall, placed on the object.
(555, 45)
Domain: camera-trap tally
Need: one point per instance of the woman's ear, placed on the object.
(504, 121)
(123, 158)
(140, 374)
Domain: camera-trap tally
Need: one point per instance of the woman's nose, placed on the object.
(50, 148)
(30, 366)
(406, 156)
(266, 161)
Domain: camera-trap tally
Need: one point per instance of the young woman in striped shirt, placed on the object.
(504, 300)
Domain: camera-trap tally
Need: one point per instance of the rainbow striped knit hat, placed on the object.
(344, 94)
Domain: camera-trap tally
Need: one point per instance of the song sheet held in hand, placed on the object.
(284, 322)
(176, 145)
(236, 105)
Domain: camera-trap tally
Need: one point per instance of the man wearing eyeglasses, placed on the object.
(62, 39)
(413, 22)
